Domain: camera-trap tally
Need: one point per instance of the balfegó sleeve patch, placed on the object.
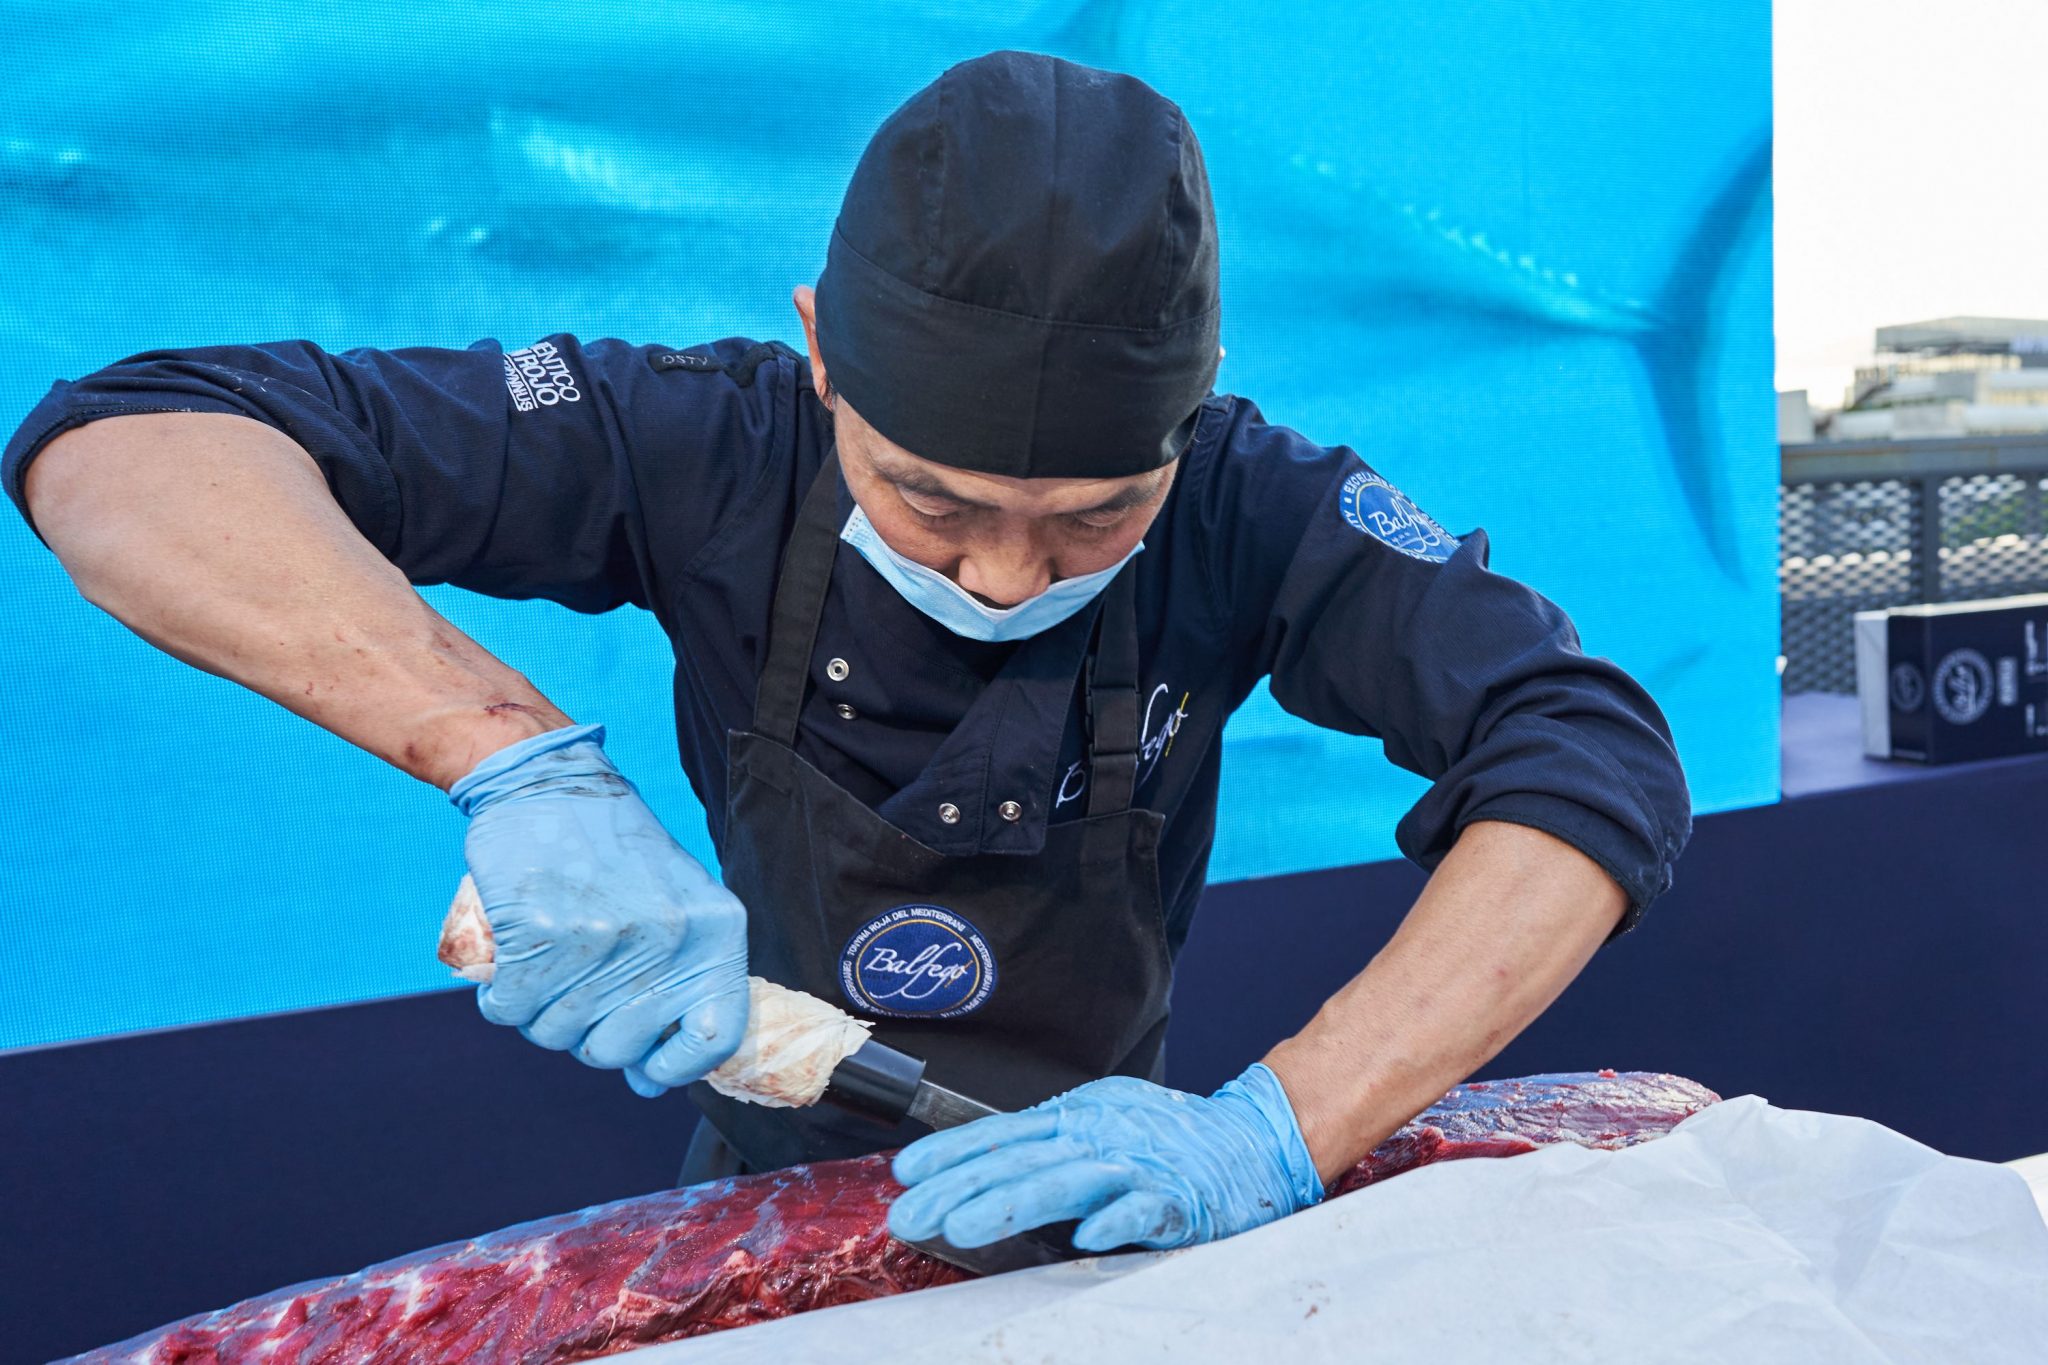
(1377, 508)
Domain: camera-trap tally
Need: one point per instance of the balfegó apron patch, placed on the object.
(918, 960)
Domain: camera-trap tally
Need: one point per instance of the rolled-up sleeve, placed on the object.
(511, 473)
(1470, 679)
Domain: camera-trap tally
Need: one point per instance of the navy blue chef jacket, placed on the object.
(606, 473)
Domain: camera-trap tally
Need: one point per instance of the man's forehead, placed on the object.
(991, 490)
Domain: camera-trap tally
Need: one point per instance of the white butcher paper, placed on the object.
(2034, 1170)
(792, 1044)
(1748, 1233)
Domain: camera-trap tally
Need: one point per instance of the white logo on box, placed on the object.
(1909, 689)
(1962, 686)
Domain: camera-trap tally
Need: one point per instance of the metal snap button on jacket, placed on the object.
(838, 670)
(950, 813)
(1010, 810)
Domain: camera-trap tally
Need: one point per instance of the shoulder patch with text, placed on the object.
(539, 377)
(1377, 508)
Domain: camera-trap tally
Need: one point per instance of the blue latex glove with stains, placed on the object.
(1138, 1163)
(606, 930)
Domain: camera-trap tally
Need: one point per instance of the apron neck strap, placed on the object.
(1112, 676)
(1111, 670)
(799, 605)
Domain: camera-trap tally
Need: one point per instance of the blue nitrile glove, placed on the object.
(1136, 1162)
(606, 930)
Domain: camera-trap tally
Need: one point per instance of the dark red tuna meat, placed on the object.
(732, 1252)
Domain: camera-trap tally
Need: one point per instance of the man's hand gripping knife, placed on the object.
(1137, 1163)
(606, 930)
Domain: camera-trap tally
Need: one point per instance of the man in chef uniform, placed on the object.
(961, 597)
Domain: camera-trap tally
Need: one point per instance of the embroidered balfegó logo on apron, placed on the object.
(917, 961)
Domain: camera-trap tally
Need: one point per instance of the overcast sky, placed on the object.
(1910, 172)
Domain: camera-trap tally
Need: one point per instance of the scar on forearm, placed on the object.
(500, 708)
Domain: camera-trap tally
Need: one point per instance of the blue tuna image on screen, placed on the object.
(1517, 256)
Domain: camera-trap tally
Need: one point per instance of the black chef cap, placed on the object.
(1022, 279)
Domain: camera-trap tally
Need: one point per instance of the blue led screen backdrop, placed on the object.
(1518, 256)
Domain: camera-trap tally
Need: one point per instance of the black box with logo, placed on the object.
(1953, 681)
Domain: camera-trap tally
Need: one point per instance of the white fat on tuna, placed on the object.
(793, 1041)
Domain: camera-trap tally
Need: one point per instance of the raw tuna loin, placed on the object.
(732, 1252)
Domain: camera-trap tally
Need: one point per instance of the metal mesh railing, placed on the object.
(1867, 526)
(1843, 547)
(1991, 536)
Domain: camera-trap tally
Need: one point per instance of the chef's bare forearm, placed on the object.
(1510, 916)
(215, 538)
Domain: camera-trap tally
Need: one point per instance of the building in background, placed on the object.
(1960, 376)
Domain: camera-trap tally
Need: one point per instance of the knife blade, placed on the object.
(889, 1086)
(937, 1107)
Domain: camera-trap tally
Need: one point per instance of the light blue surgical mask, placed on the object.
(953, 607)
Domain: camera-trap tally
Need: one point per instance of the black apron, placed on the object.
(1015, 976)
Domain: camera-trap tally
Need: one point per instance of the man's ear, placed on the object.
(806, 300)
